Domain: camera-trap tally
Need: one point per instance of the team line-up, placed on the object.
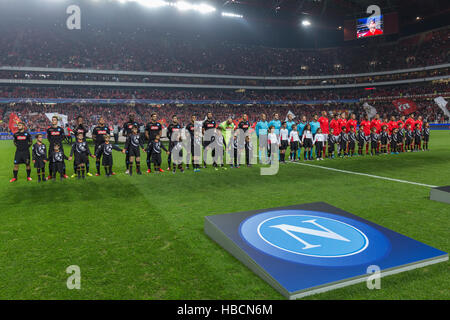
(379, 137)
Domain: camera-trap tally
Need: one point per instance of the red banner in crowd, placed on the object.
(13, 121)
(405, 106)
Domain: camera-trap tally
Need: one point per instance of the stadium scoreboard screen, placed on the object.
(369, 27)
(372, 26)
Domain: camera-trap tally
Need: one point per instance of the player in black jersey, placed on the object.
(426, 136)
(218, 143)
(234, 148)
(196, 150)
(126, 131)
(361, 138)
(39, 157)
(132, 145)
(417, 137)
(57, 161)
(401, 137)
(343, 143)
(154, 149)
(248, 151)
(208, 131)
(384, 139)
(190, 128)
(80, 151)
(374, 140)
(80, 128)
(55, 135)
(244, 125)
(105, 151)
(351, 141)
(174, 136)
(332, 140)
(408, 138)
(394, 141)
(22, 141)
(152, 129)
(98, 134)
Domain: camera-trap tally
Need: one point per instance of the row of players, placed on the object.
(401, 139)
(395, 137)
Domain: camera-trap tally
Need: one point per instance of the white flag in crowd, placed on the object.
(290, 113)
(62, 118)
(443, 105)
(370, 110)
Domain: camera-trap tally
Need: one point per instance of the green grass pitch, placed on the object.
(141, 237)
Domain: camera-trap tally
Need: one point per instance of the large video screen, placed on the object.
(369, 27)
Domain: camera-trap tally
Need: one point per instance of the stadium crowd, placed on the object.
(330, 80)
(79, 92)
(100, 49)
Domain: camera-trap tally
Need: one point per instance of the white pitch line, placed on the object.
(364, 174)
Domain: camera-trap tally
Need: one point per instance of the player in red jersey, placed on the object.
(401, 122)
(385, 122)
(324, 125)
(376, 123)
(411, 121)
(342, 122)
(393, 124)
(334, 124)
(420, 122)
(366, 123)
(352, 123)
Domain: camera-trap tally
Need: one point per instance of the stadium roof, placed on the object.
(288, 10)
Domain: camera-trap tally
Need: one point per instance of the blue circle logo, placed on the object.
(312, 237)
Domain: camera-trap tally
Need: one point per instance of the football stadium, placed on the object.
(224, 150)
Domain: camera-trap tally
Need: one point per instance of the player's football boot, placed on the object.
(65, 176)
(13, 180)
(29, 179)
(113, 173)
(97, 174)
(89, 174)
(149, 171)
(73, 176)
(161, 170)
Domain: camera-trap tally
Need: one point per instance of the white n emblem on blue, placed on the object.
(289, 229)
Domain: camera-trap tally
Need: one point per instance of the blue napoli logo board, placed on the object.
(305, 249)
(313, 237)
